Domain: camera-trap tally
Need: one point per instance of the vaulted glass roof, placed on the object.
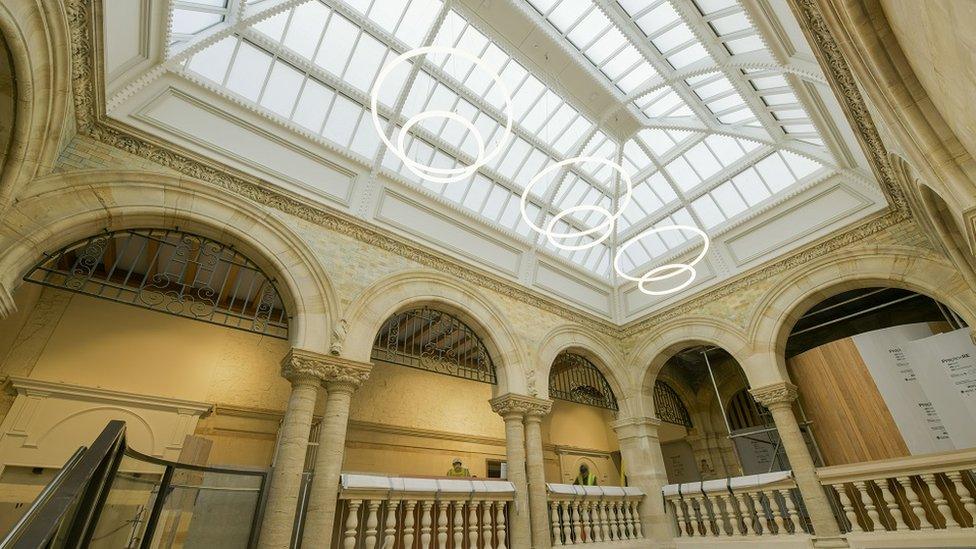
(718, 131)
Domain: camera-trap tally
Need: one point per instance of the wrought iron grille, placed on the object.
(576, 379)
(668, 405)
(435, 341)
(744, 412)
(169, 271)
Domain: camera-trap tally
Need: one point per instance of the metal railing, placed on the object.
(109, 495)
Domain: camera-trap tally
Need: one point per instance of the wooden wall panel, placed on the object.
(851, 421)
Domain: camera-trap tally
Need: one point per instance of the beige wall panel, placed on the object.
(851, 422)
(580, 426)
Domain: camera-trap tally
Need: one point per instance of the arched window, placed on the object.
(576, 379)
(171, 271)
(435, 341)
(744, 412)
(668, 405)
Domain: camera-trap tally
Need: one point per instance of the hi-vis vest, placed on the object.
(590, 480)
(462, 473)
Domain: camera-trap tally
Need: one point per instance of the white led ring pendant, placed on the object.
(670, 270)
(609, 219)
(431, 173)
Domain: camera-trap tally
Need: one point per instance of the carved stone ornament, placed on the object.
(520, 404)
(778, 394)
(339, 337)
(302, 365)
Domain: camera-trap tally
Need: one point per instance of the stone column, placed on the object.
(536, 472)
(778, 398)
(341, 378)
(640, 450)
(513, 408)
(305, 374)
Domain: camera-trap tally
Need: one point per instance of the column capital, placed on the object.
(632, 427)
(777, 394)
(300, 365)
(511, 403)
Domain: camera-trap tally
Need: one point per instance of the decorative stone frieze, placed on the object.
(511, 403)
(777, 394)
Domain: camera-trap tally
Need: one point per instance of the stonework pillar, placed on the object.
(341, 378)
(513, 408)
(536, 472)
(778, 398)
(305, 373)
(640, 450)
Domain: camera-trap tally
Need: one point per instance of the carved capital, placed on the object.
(334, 372)
(511, 403)
(775, 395)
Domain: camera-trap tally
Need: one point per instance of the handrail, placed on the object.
(43, 496)
(82, 489)
(930, 463)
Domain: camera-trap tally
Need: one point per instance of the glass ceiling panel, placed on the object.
(312, 67)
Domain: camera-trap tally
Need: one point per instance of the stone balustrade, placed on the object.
(756, 505)
(594, 514)
(417, 513)
(919, 493)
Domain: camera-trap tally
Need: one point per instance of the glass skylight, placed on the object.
(700, 155)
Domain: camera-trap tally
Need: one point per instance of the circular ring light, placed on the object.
(663, 272)
(431, 173)
(609, 219)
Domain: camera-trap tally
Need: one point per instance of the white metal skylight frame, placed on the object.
(681, 75)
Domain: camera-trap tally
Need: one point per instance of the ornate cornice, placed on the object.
(511, 403)
(83, 18)
(777, 394)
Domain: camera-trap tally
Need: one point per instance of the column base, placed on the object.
(830, 543)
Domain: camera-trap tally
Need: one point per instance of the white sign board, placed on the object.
(894, 373)
(946, 368)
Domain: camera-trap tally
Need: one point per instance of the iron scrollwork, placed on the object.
(574, 378)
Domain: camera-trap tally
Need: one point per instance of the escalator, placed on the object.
(108, 495)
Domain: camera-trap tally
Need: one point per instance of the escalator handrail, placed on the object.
(41, 498)
(255, 471)
(49, 510)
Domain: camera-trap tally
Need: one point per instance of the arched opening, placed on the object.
(577, 431)
(711, 426)
(88, 344)
(882, 372)
(947, 227)
(426, 402)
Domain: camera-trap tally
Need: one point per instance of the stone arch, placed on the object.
(577, 340)
(364, 317)
(665, 343)
(37, 39)
(65, 208)
(907, 268)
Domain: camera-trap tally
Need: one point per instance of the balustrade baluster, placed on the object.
(848, 507)
(714, 515)
(352, 524)
(473, 524)
(632, 518)
(408, 523)
(425, 520)
(744, 521)
(767, 517)
(587, 521)
(939, 497)
(791, 514)
(557, 538)
(915, 503)
(577, 522)
(694, 509)
(442, 524)
(860, 490)
(724, 513)
(604, 520)
(486, 524)
(966, 496)
(458, 526)
(566, 510)
(500, 524)
(890, 499)
(389, 530)
(622, 524)
(372, 523)
(635, 514)
(614, 522)
(757, 514)
(776, 511)
(681, 513)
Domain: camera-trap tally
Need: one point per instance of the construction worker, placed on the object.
(585, 478)
(458, 469)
